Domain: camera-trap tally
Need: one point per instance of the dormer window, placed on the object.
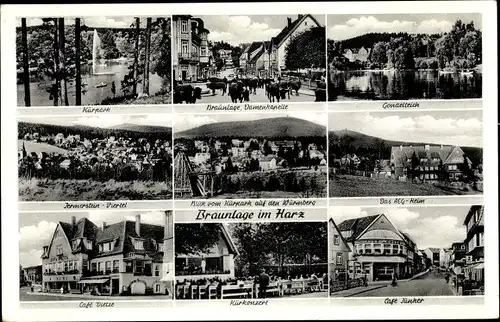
(59, 250)
(138, 244)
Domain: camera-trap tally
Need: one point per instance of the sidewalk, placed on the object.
(359, 290)
(103, 297)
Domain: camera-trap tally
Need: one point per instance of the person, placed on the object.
(263, 283)
(113, 88)
(62, 290)
(32, 288)
(203, 265)
(447, 277)
(314, 282)
(394, 279)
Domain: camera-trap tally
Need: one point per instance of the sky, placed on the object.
(463, 128)
(185, 122)
(245, 29)
(342, 27)
(103, 121)
(35, 230)
(428, 226)
(95, 21)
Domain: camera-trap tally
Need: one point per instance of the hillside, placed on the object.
(368, 40)
(85, 131)
(367, 142)
(271, 127)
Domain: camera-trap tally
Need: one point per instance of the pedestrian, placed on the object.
(62, 290)
(203, 265)
(113, 88)
(394, 279)
(263, 283)
(32, 288)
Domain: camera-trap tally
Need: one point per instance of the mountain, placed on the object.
(270, 127)
(141, 128)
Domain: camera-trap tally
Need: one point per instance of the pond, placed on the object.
(404, 85)
(93, 95)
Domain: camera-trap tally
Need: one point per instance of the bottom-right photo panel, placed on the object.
(406, 251)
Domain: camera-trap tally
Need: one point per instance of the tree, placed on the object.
(415, 162)
(195, 238)
(136, 56)
(444, 50)
(379, 54)
(62, 60)
(306, 50)
(145, 88)
(249, 245)
(78, 86)
(26, 70)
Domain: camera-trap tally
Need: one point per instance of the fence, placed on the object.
(342, 285)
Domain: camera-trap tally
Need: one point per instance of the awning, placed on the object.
(101, 281)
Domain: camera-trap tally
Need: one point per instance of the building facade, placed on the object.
(378, 248)
(33, 274)
(280, 42)
(430, 162)
(118, 259)
(457, 257)
(190, 52)
(339, 253)
(474, 244)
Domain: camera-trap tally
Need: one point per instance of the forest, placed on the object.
(270, 245)
(458, 49)
(306, 50)
(60, 50)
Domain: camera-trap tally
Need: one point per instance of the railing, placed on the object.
(193, 56)
(199, 272)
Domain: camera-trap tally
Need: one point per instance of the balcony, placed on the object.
(192, 57)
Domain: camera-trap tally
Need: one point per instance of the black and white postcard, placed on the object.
(254, 58)
(108, 157)
(394, 252)
(238, 156)
(97, 60)
(86, 256)
(405, 56)
(251, 260)
(432, 153)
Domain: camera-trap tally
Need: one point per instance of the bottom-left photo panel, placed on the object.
(96, 255)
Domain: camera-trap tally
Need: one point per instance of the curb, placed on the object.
(417, 276)
(367, 290)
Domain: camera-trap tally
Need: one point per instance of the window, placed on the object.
(203, 51)
(138, 267)
(128, 267)
(157, 288)
(75, 265)
(71, 264)
(427, 176)
(59, 250)
(184, 26)
(157, 270)
(452, 167)
(94, 267)
(105, 247)
(116, 266)
(387, 249)
(336, 239)
(395, 249)
(184, 47)
(339, 258)
(377, 248)
(99, 267)
(368, 248)
(138, 244)
(101, 247)
(108, 266)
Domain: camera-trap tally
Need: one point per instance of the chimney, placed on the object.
(138, 225)
(73, 221)
(289, 21)
(427, 147)
(103, 225)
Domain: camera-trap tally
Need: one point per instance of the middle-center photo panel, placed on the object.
(249, 59)
(245, 156)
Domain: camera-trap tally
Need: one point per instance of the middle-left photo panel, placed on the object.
(114, 160)
(93, 60)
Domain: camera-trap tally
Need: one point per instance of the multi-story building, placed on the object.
(434, 254)
(339, 253)
(190, 52)
(431, 162)
(457, 257)
(280, 41)
(474, 252)
(378, 247)
(409, 268)
(33, 274)
(121, 258)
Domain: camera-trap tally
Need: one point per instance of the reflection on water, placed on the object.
(402, 85)
(93, 95)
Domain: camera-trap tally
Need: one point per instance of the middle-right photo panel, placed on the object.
(405, 153)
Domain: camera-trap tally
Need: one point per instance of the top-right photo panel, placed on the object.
(404, 56)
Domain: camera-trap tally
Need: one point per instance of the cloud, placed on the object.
(30, 21)
(31, 241)
(423, 128)
(30, 258)
(400, 217)
(164, 119)
(111, 217)
(241, 29)
(108, 22)
(366, 24)
(339, 214)
(183, 122)
(440, 231)
(317, 118)
(153, 218)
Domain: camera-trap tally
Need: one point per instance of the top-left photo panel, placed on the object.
(93, 60)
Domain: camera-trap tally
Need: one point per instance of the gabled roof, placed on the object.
(229, 240)
(356, 225)
(341, 236)
(434, 250)
(285, 33)
(267, 158)
(406, 152)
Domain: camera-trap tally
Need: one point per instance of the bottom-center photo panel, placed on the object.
(251, 260)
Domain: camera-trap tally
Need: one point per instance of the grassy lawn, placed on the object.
(87, 190)
(355, 186)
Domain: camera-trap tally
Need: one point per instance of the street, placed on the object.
(305, 95)
(26, 295)
(430, 284)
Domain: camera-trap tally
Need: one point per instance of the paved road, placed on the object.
(25, 295)
(259, 97)
(431, 284)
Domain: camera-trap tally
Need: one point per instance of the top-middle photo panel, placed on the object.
(256, 59)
